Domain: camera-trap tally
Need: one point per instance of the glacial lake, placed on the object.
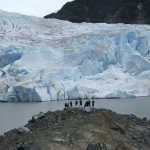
(15, 115)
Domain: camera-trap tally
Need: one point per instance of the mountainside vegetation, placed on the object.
(107, 11)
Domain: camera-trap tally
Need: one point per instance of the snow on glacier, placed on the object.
(44, 60)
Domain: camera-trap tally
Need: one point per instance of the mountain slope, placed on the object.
(108, 11)
(51, 59)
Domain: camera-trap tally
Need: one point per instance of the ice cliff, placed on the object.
(44, 60)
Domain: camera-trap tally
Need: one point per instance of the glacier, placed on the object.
(43, 60)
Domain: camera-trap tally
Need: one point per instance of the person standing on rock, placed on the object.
(86, 104)
(93, 103)
(89, 103)
(71, 105)
(67, 105)
(80, 102)
(76, 103)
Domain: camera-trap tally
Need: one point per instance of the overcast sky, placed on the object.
(32, 7)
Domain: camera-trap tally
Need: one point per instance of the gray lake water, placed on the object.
(15, 115)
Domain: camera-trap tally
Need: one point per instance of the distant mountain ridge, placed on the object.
(107, 11)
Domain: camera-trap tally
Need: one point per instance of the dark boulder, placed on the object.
(28, 146)
(117, 127)
(97, 146)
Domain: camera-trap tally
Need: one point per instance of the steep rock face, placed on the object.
(108, 11)
(53, 60)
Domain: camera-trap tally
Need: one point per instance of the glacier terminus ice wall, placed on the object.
(44, 60)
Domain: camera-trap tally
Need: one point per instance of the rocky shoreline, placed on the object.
(80, 129)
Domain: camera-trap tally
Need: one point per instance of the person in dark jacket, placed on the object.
(66, 105)
(86, 104)
(76, 103)
(93, 103)
(89, 103)
(80, 102)
(71, 105)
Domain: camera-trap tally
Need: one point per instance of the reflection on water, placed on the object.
(14, 115)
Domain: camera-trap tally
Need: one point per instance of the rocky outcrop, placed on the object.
(76, 128)
(22, 130)
(108, 11)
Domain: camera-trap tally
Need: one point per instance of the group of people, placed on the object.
(79, 103)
